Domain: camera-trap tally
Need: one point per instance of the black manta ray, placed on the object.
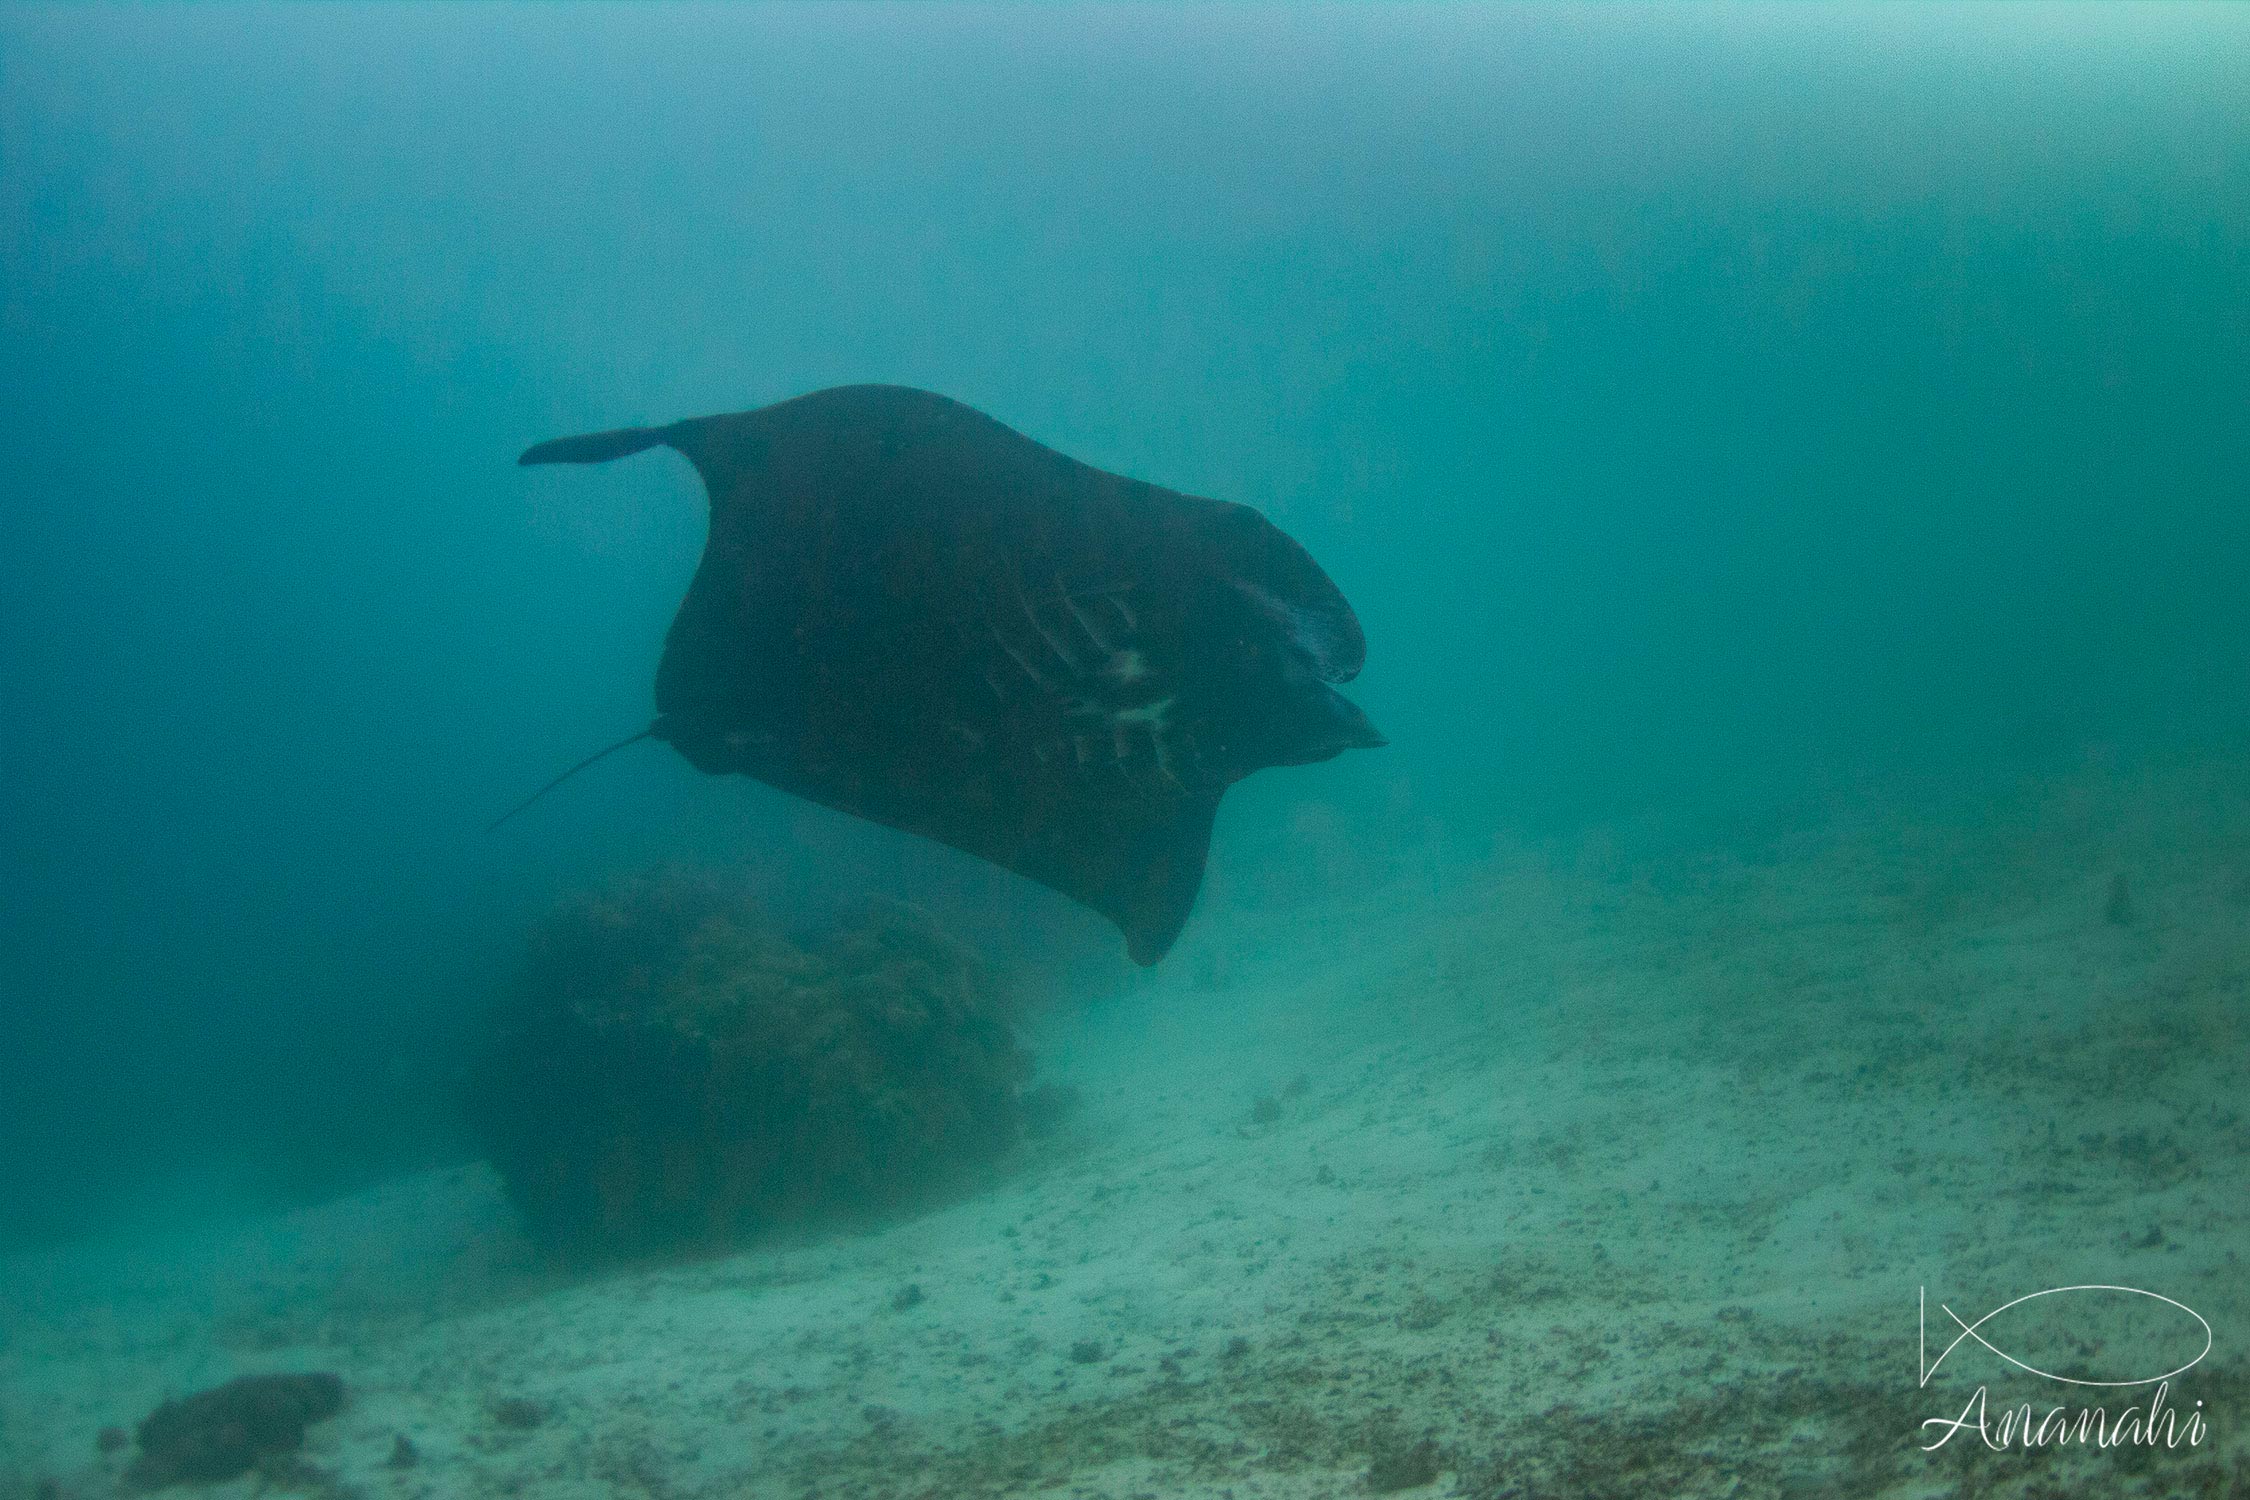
(909, 612)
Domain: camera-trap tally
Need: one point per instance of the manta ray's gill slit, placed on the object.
(1140, 744)
(971, 646)
(1156, 719)
(1155, 715)
(1048, 634)
(1024, 662)
(1166, 756)
(1085, 621)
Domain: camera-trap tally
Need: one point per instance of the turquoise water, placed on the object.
(1751, 438)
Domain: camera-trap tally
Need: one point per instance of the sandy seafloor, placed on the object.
(1608, 1168)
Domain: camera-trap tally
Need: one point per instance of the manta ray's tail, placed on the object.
(606, 750)
(595, 447)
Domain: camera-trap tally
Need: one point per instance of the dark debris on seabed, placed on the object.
(250, 1427)
(255, 1422)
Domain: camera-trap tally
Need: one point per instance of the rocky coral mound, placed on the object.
(673, 1071)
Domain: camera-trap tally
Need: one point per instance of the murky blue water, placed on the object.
(1709, 413)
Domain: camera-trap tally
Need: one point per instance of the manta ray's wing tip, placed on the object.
(594, 447)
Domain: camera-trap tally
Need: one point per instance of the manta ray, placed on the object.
(911, 613)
